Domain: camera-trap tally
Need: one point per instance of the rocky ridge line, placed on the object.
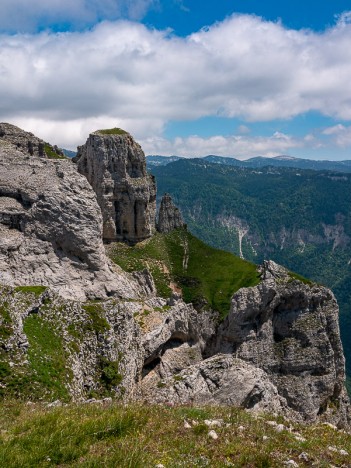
(27, 143)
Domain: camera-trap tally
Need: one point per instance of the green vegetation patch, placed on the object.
(208, 277)
(47, 360)
(5, 322)
(36, 290)
(145, 436)
(98, 322)
(301, 278)
(110, 374)
(112, 131)
(51, 153)
(71, 436)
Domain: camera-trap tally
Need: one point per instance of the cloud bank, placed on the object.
(63, 85)
(24, 16)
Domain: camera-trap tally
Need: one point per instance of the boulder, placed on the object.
(219, 380)
(290, 330)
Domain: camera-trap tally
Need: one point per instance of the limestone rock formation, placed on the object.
(105, 345)
(28, 143)
(115, 166)
(169, 216)
(51, 227)
(290, 330)
(278, 349)
(220, 380)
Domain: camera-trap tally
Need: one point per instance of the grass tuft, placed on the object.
(113, 131)
(37, 290)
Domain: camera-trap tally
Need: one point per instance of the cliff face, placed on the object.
(290, 330)
(115, 166)
(106, 331)
(169, 217)
(51, 228)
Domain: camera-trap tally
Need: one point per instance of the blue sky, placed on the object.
(188, 77)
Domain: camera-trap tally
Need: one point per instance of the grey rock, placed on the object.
(173, 340)
(51, 229)
(115, 166)
(169, 216)
(27, 143)
(220, 380)
(290, 330)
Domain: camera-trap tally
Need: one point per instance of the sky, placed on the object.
(238, 78)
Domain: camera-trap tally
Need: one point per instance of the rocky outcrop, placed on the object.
(220, 380)
(51, 229)
(105, 347)
(289, 329)
(115, 166)
(27, 143)
(169, 216)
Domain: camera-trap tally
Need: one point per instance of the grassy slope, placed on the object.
(207, 276)
(134, 436)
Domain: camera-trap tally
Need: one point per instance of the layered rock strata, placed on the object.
(27, 143)
(51, 229)
(169, 216)
(290, 330)
(279, 350)
(115, 166)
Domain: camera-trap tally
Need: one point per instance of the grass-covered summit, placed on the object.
(206, 276)
(112, 131)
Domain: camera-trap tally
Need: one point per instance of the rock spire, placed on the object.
(115, 166)
(169, 217)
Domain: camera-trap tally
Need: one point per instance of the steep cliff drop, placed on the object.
(115, 166)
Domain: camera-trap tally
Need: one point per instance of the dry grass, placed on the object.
(114, 435)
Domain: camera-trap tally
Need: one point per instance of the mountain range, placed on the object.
(260, 161)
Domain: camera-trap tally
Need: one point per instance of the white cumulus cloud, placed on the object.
(61, 85)
(238, 146)
(28, 16)
(341, 135)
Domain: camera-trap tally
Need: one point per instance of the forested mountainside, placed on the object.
(260, 161)
(298, 218)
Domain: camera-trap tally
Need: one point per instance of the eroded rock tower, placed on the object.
(115, 166)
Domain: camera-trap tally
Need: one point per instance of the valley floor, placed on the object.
(114, 435)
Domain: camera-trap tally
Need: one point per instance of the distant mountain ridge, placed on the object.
(259, 161)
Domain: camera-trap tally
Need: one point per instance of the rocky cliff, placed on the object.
(72, 325)
(169, 216)
(51, 229)
(115, 166)
(28, 143)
